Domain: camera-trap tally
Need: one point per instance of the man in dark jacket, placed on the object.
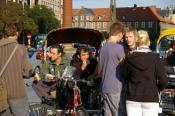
(85, 69)
(18, 67)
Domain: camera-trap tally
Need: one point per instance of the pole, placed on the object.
(113, 11)
(23, 40)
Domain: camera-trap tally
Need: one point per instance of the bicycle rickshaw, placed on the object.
(75, 107)
(166, 49)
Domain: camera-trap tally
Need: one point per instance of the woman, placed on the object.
(144, 76)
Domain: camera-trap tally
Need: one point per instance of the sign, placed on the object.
(29, 36)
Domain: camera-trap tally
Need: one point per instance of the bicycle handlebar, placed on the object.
(77, 80)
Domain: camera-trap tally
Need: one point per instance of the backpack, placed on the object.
(3, 96)
(3, 90)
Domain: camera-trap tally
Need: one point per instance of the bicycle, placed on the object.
(68, 99)
(74, 105)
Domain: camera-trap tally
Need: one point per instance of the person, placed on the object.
(131, 36)
(18, 67)
(50, 71)
(85, 66)
(171, 54)
(145, 77)
(129, 44)
(86, 70)
(110, 54)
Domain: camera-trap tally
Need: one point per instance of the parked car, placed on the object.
(166, 49)
(31, 52)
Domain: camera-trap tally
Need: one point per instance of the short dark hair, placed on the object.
(58, 47)
(82, 49)
(11, 28)
(116, 28)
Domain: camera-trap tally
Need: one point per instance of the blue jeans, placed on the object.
(111, 104)
(18, 107)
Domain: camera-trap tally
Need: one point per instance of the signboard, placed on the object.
(29, 36)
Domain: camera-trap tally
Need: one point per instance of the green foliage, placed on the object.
(15, 12)
(44, 18)
(105, 35)
(32, 20)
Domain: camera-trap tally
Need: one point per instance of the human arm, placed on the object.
(162, 80)
(26, 65)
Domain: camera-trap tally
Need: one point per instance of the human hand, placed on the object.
(36, 77)
(85, 62)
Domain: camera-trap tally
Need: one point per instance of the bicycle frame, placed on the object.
(75, 99)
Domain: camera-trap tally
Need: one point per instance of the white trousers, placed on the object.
(142, 108)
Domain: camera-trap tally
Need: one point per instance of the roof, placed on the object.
(138, 14)
(83, 10)
(75, 11)
(128, 14)
(104, 13)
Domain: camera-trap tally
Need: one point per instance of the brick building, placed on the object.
(146, 18)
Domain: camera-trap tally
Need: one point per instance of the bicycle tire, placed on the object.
(42, 110)
(81, 111)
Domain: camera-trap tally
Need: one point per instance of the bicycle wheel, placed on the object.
(42, 110)
(81, 111)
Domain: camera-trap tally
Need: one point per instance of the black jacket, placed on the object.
(88, 72)
(144, 75)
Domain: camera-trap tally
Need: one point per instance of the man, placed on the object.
(85, 69)
(85, 66)
(131, 36)
(18, 67)
(110, 55)
(49, 73)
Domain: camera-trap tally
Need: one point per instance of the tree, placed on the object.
(44, 18)
(15, 12)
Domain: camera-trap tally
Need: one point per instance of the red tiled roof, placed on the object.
(138, 14)
(128, 14)
(104, 12)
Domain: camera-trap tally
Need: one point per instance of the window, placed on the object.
(81, 24)
(98, 24)
(76, 18)
(76, 24)
(87, 24)
(128, 24)
(91, 18)
(87, 18)
(143, 24)
(104, 24)
(100, 17)
(150, 24)
(136, 24)
(81, 17)
(93, 25)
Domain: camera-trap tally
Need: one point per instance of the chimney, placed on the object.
(67, 13)
(135, 5)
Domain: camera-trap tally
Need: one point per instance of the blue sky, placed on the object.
(122, 3)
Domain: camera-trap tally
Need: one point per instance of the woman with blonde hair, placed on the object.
(145, 76)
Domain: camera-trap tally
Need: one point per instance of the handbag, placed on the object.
(3, 90)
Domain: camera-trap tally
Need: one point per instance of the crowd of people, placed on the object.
(131, 74)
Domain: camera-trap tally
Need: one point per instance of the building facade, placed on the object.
(56, 6)
(146, 18)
